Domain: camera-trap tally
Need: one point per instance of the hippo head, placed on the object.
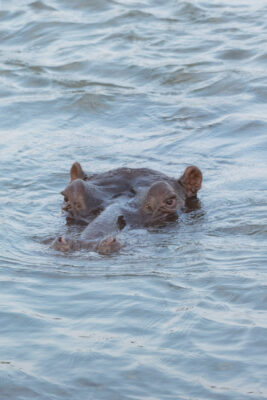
(160, 204)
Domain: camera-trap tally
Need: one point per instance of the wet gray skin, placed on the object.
(99, 235)
(82, 201)
(160, 204)
(156, 205)
(86, 196)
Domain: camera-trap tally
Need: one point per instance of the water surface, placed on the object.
(180, 313)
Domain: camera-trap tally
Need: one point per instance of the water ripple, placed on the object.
(180, 312)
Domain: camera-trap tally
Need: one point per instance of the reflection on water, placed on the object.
(180, 313)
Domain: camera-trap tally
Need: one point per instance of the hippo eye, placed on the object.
(170, 202)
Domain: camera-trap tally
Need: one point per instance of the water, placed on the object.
(180, 313)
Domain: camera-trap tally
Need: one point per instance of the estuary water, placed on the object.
(180, 313)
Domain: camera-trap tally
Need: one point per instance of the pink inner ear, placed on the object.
(191, 180)
(194, 174)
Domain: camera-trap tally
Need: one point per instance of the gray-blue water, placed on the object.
(180, 313)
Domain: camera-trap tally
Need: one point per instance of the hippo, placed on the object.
(141, 198)
(85, 197)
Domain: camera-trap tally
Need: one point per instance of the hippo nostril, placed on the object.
(121, 223)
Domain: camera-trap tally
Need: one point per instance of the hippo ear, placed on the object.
(191, 181)
(76, 172)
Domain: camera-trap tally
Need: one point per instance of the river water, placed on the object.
(180, 312)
